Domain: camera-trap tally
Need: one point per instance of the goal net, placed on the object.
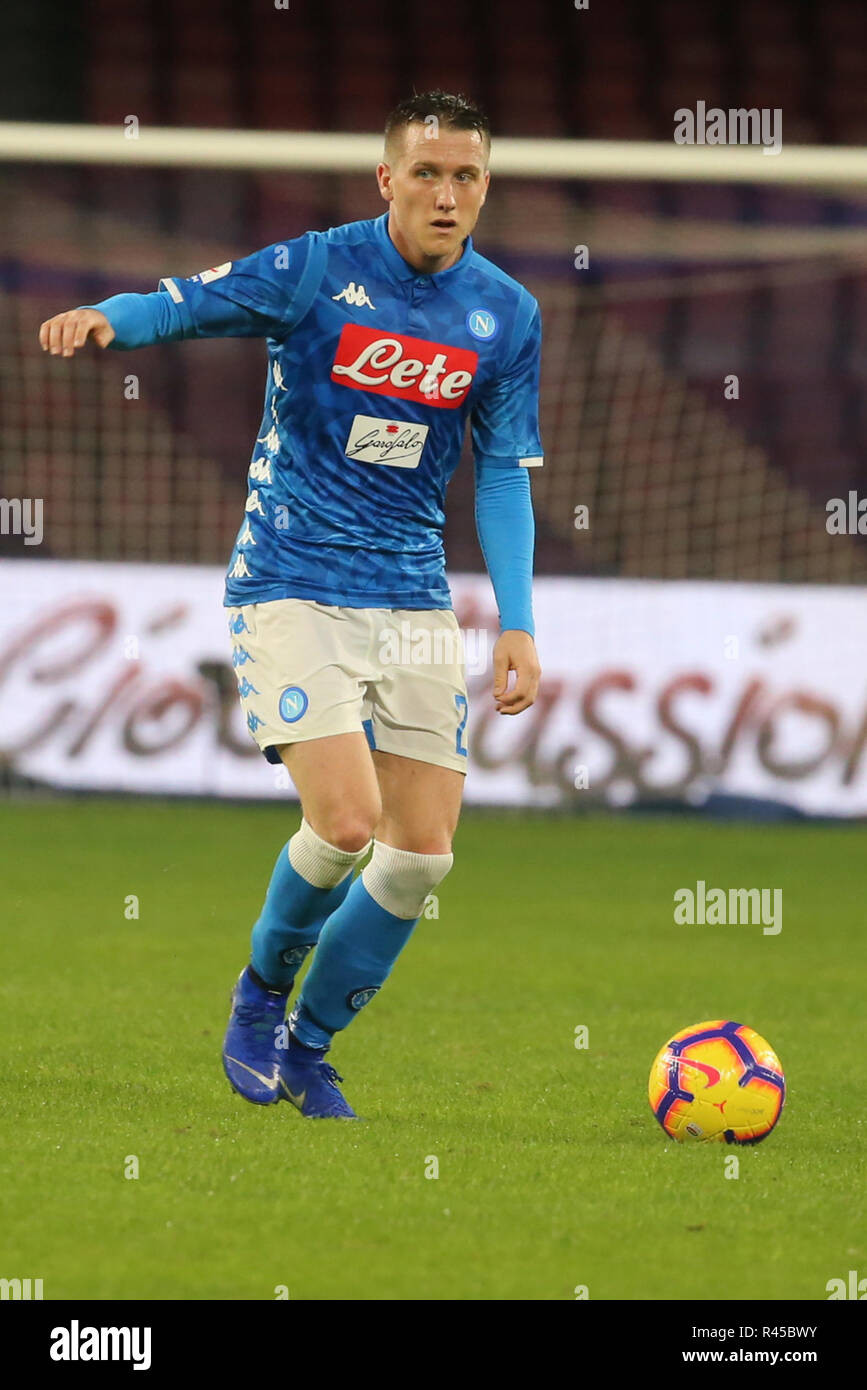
(704, 348)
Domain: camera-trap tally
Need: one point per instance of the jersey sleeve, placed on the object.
(262, 295)
(506, 530)
(505, 419)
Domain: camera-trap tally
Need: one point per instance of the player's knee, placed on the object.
(351, 835)
(431, 845)
(400, 880)
(346, 827)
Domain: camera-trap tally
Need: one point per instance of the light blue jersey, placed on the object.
(374, 369)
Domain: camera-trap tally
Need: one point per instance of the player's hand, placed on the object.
(515, 651)
(71, 329)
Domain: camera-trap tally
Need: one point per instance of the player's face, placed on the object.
(435, 187)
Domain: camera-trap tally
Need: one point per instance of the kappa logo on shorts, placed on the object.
(293, 704)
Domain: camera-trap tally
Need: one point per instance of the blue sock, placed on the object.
(357, 949)
(290, 922)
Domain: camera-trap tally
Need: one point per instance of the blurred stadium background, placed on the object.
(702, 638)
(687, 284)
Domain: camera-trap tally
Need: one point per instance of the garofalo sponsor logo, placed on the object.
(77, 1343)
(733, 907)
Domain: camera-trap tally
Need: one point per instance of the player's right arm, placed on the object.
(263, 295)
(65, 333)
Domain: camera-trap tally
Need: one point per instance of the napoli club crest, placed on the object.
(482, 324)
(360, 997)
(293, 704)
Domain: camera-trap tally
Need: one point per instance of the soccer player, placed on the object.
(384, 336)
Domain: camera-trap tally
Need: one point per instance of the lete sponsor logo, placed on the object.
(413, 369)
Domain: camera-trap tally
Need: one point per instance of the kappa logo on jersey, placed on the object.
(413, 369)
(355, 294)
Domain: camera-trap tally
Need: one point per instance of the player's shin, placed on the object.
(361, 941)
(310, 881)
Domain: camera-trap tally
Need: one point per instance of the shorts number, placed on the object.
(461, 703)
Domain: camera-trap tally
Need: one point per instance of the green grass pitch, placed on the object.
(552, 1171)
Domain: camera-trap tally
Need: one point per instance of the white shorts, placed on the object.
(308, 670)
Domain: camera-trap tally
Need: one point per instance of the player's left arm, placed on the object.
(506, 443)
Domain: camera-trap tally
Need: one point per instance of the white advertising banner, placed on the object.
(119, 677)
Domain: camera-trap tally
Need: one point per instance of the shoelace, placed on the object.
(250, 1013)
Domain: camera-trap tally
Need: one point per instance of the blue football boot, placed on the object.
(252, 1047)
(310, 1083)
